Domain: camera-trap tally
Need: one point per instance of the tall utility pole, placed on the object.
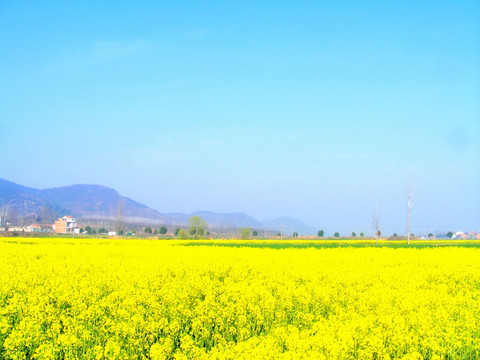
(409, 210)
(375, 219)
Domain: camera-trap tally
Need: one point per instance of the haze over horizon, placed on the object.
(304, 109)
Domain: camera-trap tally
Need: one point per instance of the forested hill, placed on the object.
(87, 201)
(101, 202)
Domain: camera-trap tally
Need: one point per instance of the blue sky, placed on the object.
(308, 109)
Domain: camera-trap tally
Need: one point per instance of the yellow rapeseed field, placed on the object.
(151, 299)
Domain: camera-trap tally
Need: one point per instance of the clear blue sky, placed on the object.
(308, 109)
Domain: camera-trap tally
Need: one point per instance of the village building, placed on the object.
(34, 228)
(39, 228)
(65, 225)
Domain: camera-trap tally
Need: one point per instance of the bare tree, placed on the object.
(409, 209)
(375, 220)
(3, 214)
(12, 216)
(46, 215)
(119, 224)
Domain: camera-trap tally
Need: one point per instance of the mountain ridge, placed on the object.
(90, 201)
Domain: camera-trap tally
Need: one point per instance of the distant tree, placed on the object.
(244, 233)
(207, 233)
(177, 230)
(120, 232)
(12, 217)
(336, 234)
(379, 233)
(354, 234)
(155, 231)
(430, 235)
(278, 234)
(395, 235)
(295, 234)
(88, 230)
(410, 206)
(254, 233)
(450, 234)
(197, 226)
(320, 233)
(93, 231)
(46, 215)
(134, 231)
(119, 222)
(147, 230)
(163, 230)
(375, 220)
(183, 234)
(362, 234)
(102, 231)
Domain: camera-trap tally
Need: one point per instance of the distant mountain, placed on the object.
(83, 201)
(289, 225)
(101, 202)
(218, 220)
(228, 219)
(23, 200)
(96, 201)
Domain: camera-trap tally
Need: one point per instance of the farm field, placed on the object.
(141, 299)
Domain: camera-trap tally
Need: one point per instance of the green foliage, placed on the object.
(295, 234)
(395, 235)
(177, 230)
(102, 231)
(244, 233)
(120, 232)
(450, 234)
(197, 226)
(183, 234)
(254, 233)
(362, 234)
(147, 230)
(430, 235)
(320, 233)
(155, 231)
(354, 234)
(163, 230)
(379, 233)
(336, 234)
